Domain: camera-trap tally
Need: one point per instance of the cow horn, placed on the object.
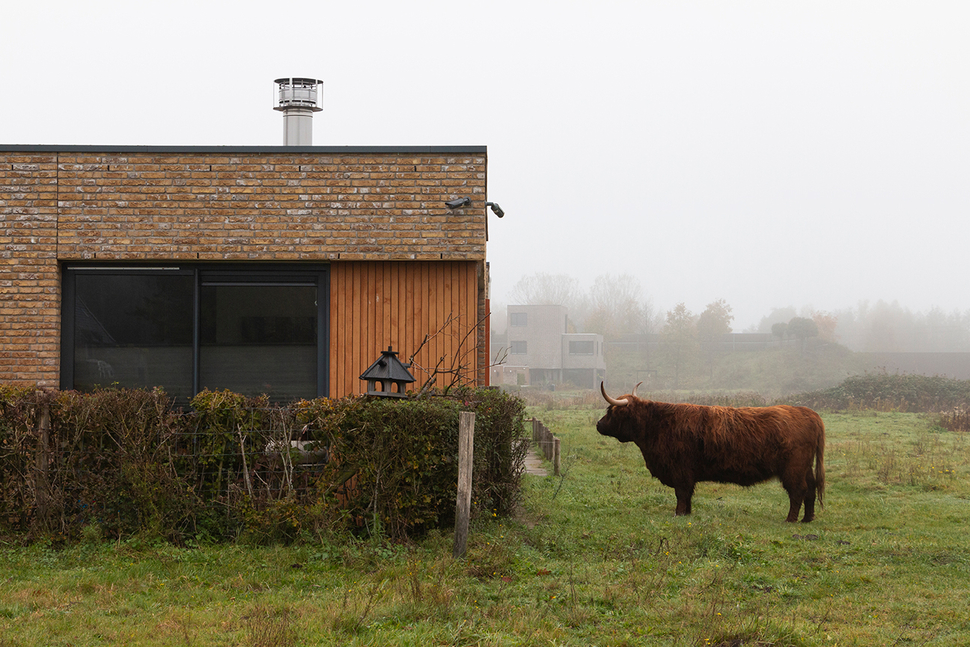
(635, 388)
(613, 401)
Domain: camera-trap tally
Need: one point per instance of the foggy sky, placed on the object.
(768, 153)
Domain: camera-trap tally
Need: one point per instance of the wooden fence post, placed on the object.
(555, 456)
(466, 455)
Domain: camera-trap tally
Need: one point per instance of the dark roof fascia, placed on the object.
(238, 150)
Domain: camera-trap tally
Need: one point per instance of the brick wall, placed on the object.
(62, 204)
(29, 280)
(271, 206)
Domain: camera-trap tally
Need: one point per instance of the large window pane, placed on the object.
(259, 339)
(134, 330)
(247, 328)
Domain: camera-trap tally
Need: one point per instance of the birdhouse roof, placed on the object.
(388, 368)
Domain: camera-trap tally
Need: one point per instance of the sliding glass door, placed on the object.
(249, 329)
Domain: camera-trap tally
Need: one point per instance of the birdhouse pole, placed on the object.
(466, 455)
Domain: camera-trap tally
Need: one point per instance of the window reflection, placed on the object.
(260, 339)
(255, 330)
(134, 331)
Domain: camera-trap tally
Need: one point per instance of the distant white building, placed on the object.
(541, 351)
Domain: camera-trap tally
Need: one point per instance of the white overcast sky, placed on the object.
(773, 154)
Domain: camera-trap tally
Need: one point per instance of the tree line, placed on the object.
(617, 305)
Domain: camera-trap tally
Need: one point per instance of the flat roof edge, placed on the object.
(310, 150)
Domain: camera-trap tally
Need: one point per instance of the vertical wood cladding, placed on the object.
(400, 304)
(402, 262)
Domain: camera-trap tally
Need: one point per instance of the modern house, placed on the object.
(284, 270)
(542, 351)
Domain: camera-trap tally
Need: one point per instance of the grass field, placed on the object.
(595, 557)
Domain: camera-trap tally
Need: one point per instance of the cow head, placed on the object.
(619, 421)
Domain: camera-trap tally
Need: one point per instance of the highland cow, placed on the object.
(684, 444)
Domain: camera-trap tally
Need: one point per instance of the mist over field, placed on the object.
(789, 350)
(619, 305)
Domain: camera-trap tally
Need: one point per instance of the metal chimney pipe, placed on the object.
(298, 99)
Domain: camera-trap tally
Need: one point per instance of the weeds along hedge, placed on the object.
(119, 463)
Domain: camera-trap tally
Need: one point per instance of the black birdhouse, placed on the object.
(388, 376)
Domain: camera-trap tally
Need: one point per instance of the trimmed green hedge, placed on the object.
(121, 463)
(404, 457)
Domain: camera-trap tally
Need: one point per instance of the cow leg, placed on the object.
(796, 489)
(809, 499)
(800, 485)
(795, 504)
(684, 495)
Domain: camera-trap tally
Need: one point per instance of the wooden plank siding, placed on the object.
(374, 305)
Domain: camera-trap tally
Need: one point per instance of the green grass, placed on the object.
(595, 557)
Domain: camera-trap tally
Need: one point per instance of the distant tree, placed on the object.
(541, 289)
(616, 306)
(801, 328)
(712, 325)
(779, 330)
(777, 315)
(715, 321)
(945, 332)
(889, 327)
(826, 324)
(679, 341)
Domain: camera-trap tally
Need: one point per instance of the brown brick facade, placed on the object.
(67, 204)
(29, 292)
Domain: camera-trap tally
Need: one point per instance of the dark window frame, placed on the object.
(204, 274)
(519, 319)
(524, 348)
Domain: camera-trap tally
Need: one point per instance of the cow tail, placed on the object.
(820, 466)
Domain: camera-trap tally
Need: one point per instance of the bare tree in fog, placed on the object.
(541, 289)
(890, 328)
(947, 331)
(616, 306)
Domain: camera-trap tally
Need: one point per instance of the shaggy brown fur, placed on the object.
(683, 444)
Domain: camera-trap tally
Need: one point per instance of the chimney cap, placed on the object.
(298, 80)
(298, 93)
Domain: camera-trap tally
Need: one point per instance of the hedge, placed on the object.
(119, 463)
